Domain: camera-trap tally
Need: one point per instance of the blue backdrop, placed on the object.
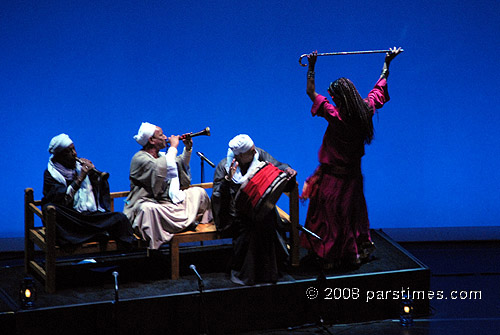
(96, 69)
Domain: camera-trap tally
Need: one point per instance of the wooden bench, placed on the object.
(45, 237)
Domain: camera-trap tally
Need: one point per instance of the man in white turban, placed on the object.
(160, 202)
(259, 249)
(81, 198)
(146, 131)
(59, 143)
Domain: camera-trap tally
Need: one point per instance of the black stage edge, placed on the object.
(149, 303)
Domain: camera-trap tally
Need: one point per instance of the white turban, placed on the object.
(146, 131)
(240, 144)
(59, 143)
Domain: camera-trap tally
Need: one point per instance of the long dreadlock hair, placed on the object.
(352, 108)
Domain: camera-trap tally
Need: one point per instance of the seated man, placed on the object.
(258, 247)
(81, 198)
(161, 202)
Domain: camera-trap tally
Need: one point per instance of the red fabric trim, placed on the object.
(259, 183)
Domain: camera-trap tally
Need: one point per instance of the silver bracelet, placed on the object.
(310, 74)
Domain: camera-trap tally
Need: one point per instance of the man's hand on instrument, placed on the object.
(188, 141)
(290, 172)
(86, 166)
(389, 56)
(174, 140)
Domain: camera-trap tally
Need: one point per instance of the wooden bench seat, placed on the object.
(44, 237)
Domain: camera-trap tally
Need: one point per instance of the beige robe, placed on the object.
(149, 207)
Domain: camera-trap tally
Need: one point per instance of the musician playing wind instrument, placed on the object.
(161, 202)
(337, 210)
(81, 198)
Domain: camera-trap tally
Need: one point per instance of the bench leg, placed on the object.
(29, 223)
(174, 258)
(29, 254)
(50, 252)
(50, 279)
(50, 267)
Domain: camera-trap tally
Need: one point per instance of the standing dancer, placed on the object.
(337, 210)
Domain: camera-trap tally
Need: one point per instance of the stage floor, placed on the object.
(371, 292)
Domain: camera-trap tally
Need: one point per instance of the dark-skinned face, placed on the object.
(67, 157)
(245, 157)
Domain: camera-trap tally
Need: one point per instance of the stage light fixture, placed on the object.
(406, 311)
(27, 293)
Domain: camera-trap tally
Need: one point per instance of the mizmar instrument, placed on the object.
(346, 53)
(100, 173)
(205, 132)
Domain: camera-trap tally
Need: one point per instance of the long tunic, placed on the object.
(149, 206)
(258, 248)
(337, 211)
(74, 227)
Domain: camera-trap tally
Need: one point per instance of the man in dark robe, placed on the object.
(81, 198)
(259, 249)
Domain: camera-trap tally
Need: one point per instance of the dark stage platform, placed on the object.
(148, 303)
